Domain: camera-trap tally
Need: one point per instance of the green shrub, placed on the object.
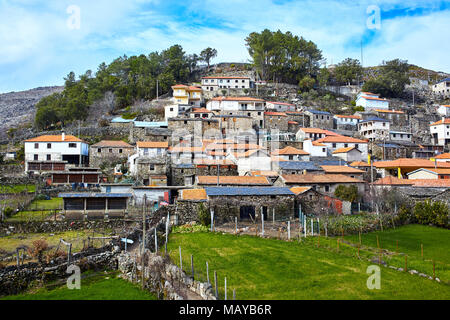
(8, 212)
(428, 212)
(203, 215)
(349, 193)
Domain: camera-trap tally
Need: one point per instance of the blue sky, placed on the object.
(39, 49)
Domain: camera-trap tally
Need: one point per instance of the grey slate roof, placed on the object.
(299, 165)
(248, 191)
(94, 195)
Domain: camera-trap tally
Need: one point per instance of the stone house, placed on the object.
(276, 121)
(320, 119)
(113, 152)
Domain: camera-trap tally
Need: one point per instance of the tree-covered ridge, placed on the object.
(130, 79)
(284, 57)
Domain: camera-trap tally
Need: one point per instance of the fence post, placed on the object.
(192, 266)
(207, 272)
(312, 226)
(273, 216)
(234, 294)
(262, 223)
(156, 241)
(235, 225)
(212, 220)
(289, 230)
(225, 288)
(181, 259)
(215, 284)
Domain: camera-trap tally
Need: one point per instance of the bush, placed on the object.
(203, 215)
(37, 250)
(42, 197)
(435, 213)
(8, 212)
(349, 193)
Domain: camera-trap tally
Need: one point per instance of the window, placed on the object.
(72, 145)
(49, 145)
(110, 150)
(36, 157)
(323, 150)
(99, 150)
(120, 151)
(356, 146)
(171, 109)
(327, 188)
(36, 145)
(152, 167)
(49, 157)
(346, 145)
(334, 145)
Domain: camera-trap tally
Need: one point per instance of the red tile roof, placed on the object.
(341, 169)
(319, 178)
(193, 194)
(340, 139)
(359, 164)
(351, 117)
(431, 183)
(443, 156)
(279, 114)
(444, 121)
(111, 144)
(345, 150)
(300, 190)
(281, 103)
(393, 181)
(410, 163)
(201, 110)
(289, 151)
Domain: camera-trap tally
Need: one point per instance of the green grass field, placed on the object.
(38, 210)
(436, 241)
(93, 287)
(272, 269)
(18, 188)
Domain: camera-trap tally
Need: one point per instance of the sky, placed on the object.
(42, 41)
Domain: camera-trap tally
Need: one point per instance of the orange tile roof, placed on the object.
(277, 159)
(281, 103)
(201, 110)
(393, 181)
(443, 156)
(233, 180)
(410, 163)
(245, 154)
(193, 194)
(389, 111)
(264, 173)
(445, 121)
(438, 170)
(359, 164)
(372, 98)
(340, 139)
(317, 130)
(344, 150)
(341, 169)
(351, 117)
(279, 114)
(111, 144)
(56, 138)
(300, 190)
(292, 122)
(152, 144)
(289, 151)
(318, 178)
(318, 144)
(432, 183)
(189, 88)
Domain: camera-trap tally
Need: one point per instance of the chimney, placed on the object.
(63, 135)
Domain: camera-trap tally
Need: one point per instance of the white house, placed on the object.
(444, 110)
(280, 106)
(57, 148)
(217, 83)
(251, 160)
(342, 120)
(349, 154)
(313, 134)
(224, 104)
(334, 143)
(371, 101)
(441, 132)
(442, 87)
(291, 154)
(374, 128)
(314, 148)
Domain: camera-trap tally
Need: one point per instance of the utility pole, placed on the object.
(157, 90)
(143, 240)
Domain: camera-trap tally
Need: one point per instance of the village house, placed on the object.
(187, 95)
(298, 167)
(337, 142)
(280, 106)
(441, 132)
(216, 83)
(200, 113)
(291, 154)
(86, 177)
(251, 160)
(146, 151)
(314, 148)
(346, 122)
(56, 148)
(326, 183)
(401, 167)
(109, 151)
(444, 110)
(444, 157)
(344, 170)
(349, 154)
(395, 117)
(275, 121)
(429, 173)
(235, 181)
(374, 129)
(320, 119)
(269, 174)
(370, 101)
(442, 88)
(400, 136)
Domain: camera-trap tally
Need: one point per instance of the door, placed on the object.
(246, 212)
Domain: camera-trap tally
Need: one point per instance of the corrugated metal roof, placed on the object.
(251, 191)
(94, 195)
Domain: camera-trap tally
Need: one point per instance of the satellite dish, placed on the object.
(127, 240)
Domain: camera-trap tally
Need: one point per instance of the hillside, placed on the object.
(17, 108)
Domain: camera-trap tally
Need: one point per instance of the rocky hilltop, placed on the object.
(17, 108)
